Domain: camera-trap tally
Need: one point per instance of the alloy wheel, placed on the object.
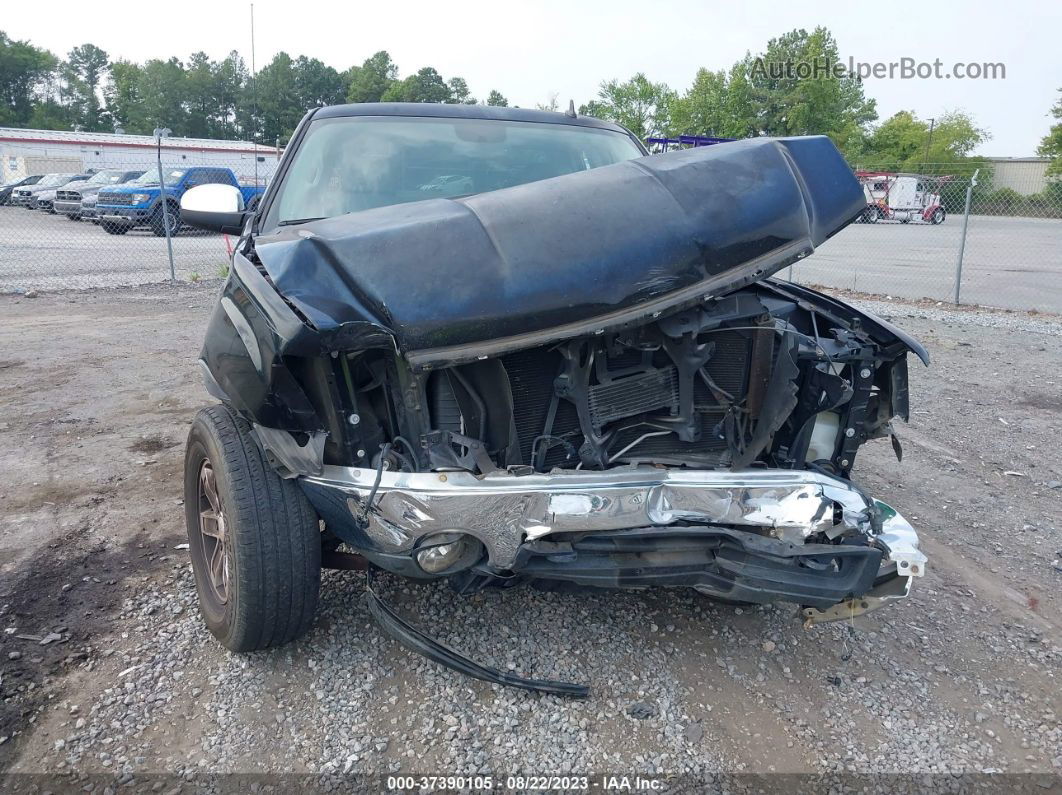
(213, 534)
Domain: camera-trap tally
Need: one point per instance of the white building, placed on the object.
(27, 152)
(1026, 175)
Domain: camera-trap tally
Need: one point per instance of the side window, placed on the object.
(194, 178)
(219, 176)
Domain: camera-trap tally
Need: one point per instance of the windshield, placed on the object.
(151, 176)
(349, 164)
(51, 180)
(106, 178)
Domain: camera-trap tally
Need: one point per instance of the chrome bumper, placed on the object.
(504, 510)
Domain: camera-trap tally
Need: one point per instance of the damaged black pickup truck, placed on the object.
(500, 346)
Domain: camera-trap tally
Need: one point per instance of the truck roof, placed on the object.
(438, 110)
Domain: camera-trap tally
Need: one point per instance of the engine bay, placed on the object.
(759, 378)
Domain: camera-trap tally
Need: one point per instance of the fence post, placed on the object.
(160, 133)
(962, 237)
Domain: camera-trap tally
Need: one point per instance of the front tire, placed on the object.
(254, 539)
(938, 216)
(158, 221)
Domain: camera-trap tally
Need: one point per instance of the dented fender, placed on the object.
(251, 336)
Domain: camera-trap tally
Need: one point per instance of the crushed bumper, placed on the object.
(731, 564)
(742, 534)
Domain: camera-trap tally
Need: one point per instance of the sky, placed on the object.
(529, 51)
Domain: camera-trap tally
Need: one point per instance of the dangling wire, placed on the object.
(384, 450)
(569, 448)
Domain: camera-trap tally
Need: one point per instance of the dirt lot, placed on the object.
(106, 669)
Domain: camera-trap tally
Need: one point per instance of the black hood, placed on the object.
(593, 246)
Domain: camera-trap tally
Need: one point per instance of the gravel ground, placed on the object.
(963, 678)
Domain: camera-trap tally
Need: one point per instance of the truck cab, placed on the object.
(902, 197)
(143, 202)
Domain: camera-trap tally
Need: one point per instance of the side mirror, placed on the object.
(214, 207)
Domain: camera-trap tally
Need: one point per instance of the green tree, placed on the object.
(718, 104)
(791, 98)
(86, 66)
(740, 113)
(161, 89)
(230, 77)
(703, 109)
(899, 143)
(277, 98)
(459, 93)
(201, 96)
(317, 84)
(427, 85)
(640, 105)
(24, 70)
(122, 97)
(495, 99)
(50, 114)
(1051, 145)
(370, 81)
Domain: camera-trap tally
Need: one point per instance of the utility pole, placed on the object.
(160, 133)
(962, 237)
(254, 103)
(929, 140)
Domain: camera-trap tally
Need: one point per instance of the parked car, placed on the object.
(26, 195)
(88, 209)
(44, 199)
(69, 197)
(8, 188)
(582, 375)
(140, 203)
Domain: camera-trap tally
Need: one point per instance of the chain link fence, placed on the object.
(88, 214)
(988, 234)
(977, 234)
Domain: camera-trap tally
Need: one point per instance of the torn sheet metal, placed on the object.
(504, 510)
(553, 253)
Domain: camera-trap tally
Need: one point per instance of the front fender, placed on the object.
(243, 357)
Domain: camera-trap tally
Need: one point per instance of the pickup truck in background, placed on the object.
(68, 198)
(26, 196)
(140, 202)
(8, 188)
(44, 199)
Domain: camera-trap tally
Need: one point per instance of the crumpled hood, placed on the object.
(448, 272)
